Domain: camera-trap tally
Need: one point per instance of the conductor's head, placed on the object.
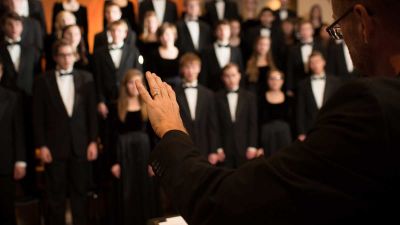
(370, 29)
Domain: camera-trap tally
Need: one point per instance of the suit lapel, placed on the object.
(108, 59)
(22, 61)
(122, 65)
(55, 94)
(199, 103)
(311, 93)
(180, 94)
(186, 30)
(77, 95)
(240, 104)
(7, 60)
(328, 89)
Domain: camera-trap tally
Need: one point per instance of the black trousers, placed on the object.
(7, 195)
(63, 177)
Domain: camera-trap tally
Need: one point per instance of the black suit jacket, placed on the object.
(346, 171)
(204, 129)
(28, 68)
(211, 71)
(100, 39)
(231, 12)
(107, 76)
(11, 131)
(65, 136)
(36, 11)
(171, 13)
(307, 110)
(32, 34)
(295, 65)
(237, 136)
(185, 42)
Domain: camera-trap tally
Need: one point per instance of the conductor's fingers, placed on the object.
(162, 88)
(154, 89)
(143, 92)
(170, 91)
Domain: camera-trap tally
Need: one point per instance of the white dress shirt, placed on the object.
(318, 88)
(233, 98)
(22, 9)
(223, 53)
(66, 88)
(191, 93)
(116, 54)
(220, 6)
(265, 32)
(283, 14)
(159, 8)
(15, 52)
(194, 30)
(306, 51)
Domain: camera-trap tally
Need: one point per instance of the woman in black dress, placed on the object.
(79, 11)
(259, 64)
(73, 34)
(165, 60)
(136, 188)
(147, 42)
(274, 115)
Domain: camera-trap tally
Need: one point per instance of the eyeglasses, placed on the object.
(334, 30)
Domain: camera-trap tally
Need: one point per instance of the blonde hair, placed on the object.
(164, 27)
(58, 23)
(123, 100)
(252, 69)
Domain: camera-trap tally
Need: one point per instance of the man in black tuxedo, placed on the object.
(165, 10)
(194, 35)
(12, 154)
(345, 172)
(237, 117)
(267, 28)
(339, 62)
(65, 128)
(217, 56)
(111, 62)
(197, 108)
(217, 10)
(284, 13)
(112, 13)
(313, 93)
(21, 64)
(297, 65)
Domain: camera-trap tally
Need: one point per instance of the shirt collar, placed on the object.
(191, 84)
(9, 40)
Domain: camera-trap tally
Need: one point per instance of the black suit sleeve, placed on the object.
(301, 110)
(18, 130)
(253, 118)
(316, 179)
(39, 112)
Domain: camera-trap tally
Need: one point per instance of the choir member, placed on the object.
(148, 41)
(194, 35)
(77, 9)
(128, 13)
(136, 188)
(112, 13)
(313, 92)
(249, 14)
(65, 128)
(236, 33)
(237, 117)
(316, 19)
(339, 62)
(12, 154)
(165, 10)
(259, 65)
(197, 108)
(32, 9)
(165, 59)
(73, 34)
(217, 10)
(284, 13)
(275, 109)
(217, 56)
(297, 65)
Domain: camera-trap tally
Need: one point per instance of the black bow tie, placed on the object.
(318, 78)
(192, 20)
(189, 86)
(115, 48)
(13, 43)
(231, 92)
(66, 74)
(307, 43)
(223, 46)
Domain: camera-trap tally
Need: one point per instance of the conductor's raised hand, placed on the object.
(162, 106)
